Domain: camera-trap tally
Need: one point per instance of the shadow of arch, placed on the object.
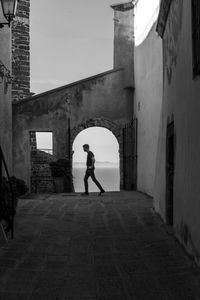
(110, 125)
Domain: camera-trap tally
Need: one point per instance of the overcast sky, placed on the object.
(101, 147)
(73, 39)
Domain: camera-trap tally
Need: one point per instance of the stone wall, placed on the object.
(21, 52)
(5, 93)
(41, 179)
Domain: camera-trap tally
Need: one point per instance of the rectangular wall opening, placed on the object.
(44, 142)
(41, 148)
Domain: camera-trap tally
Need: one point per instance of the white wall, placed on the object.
(181, 101)
(147, 106)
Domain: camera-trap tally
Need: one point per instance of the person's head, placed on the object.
(86, 147)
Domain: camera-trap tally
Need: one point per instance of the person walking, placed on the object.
(90, 171)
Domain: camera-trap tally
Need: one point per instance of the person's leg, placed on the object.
(86, 182)
(96, 181)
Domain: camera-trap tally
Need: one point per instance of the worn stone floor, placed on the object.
(109, 247)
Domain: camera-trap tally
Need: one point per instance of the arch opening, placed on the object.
(105, 147)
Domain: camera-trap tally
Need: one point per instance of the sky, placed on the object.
(44, 141)
(105, 148)
(72, 40)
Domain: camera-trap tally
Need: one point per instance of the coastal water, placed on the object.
(108, 176)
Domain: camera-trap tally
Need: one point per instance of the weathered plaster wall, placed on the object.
(124, 41)
(147, 107)
(5, 94)
(100, 97)
(181, 103)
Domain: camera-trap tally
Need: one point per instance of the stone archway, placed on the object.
(110, 125)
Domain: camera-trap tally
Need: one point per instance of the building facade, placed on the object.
(147, 107)
(5, 92)
(14, 72)
(21, 52)
(177, 185)
(104, 100)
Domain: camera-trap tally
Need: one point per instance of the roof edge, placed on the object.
(123, 6)
(67, 86)
(163, 16)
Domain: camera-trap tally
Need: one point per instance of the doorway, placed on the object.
(105, 147)
(170, 174)
(130, 155)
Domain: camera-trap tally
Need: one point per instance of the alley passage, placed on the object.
(110, 247)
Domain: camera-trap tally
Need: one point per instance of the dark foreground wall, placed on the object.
(5, 93)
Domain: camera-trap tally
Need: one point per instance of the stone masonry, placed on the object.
(21, 52)
(41, 179)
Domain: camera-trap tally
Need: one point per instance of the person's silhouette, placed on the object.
(90, 171)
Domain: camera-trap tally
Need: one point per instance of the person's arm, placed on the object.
(92, 162)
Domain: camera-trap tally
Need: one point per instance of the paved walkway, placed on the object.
(112, 247)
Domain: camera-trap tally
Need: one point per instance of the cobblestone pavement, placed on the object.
(109, 247)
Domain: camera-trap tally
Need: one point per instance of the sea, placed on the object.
(106, 173)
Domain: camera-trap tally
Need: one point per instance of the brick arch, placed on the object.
(97, 122)
(104, 123)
